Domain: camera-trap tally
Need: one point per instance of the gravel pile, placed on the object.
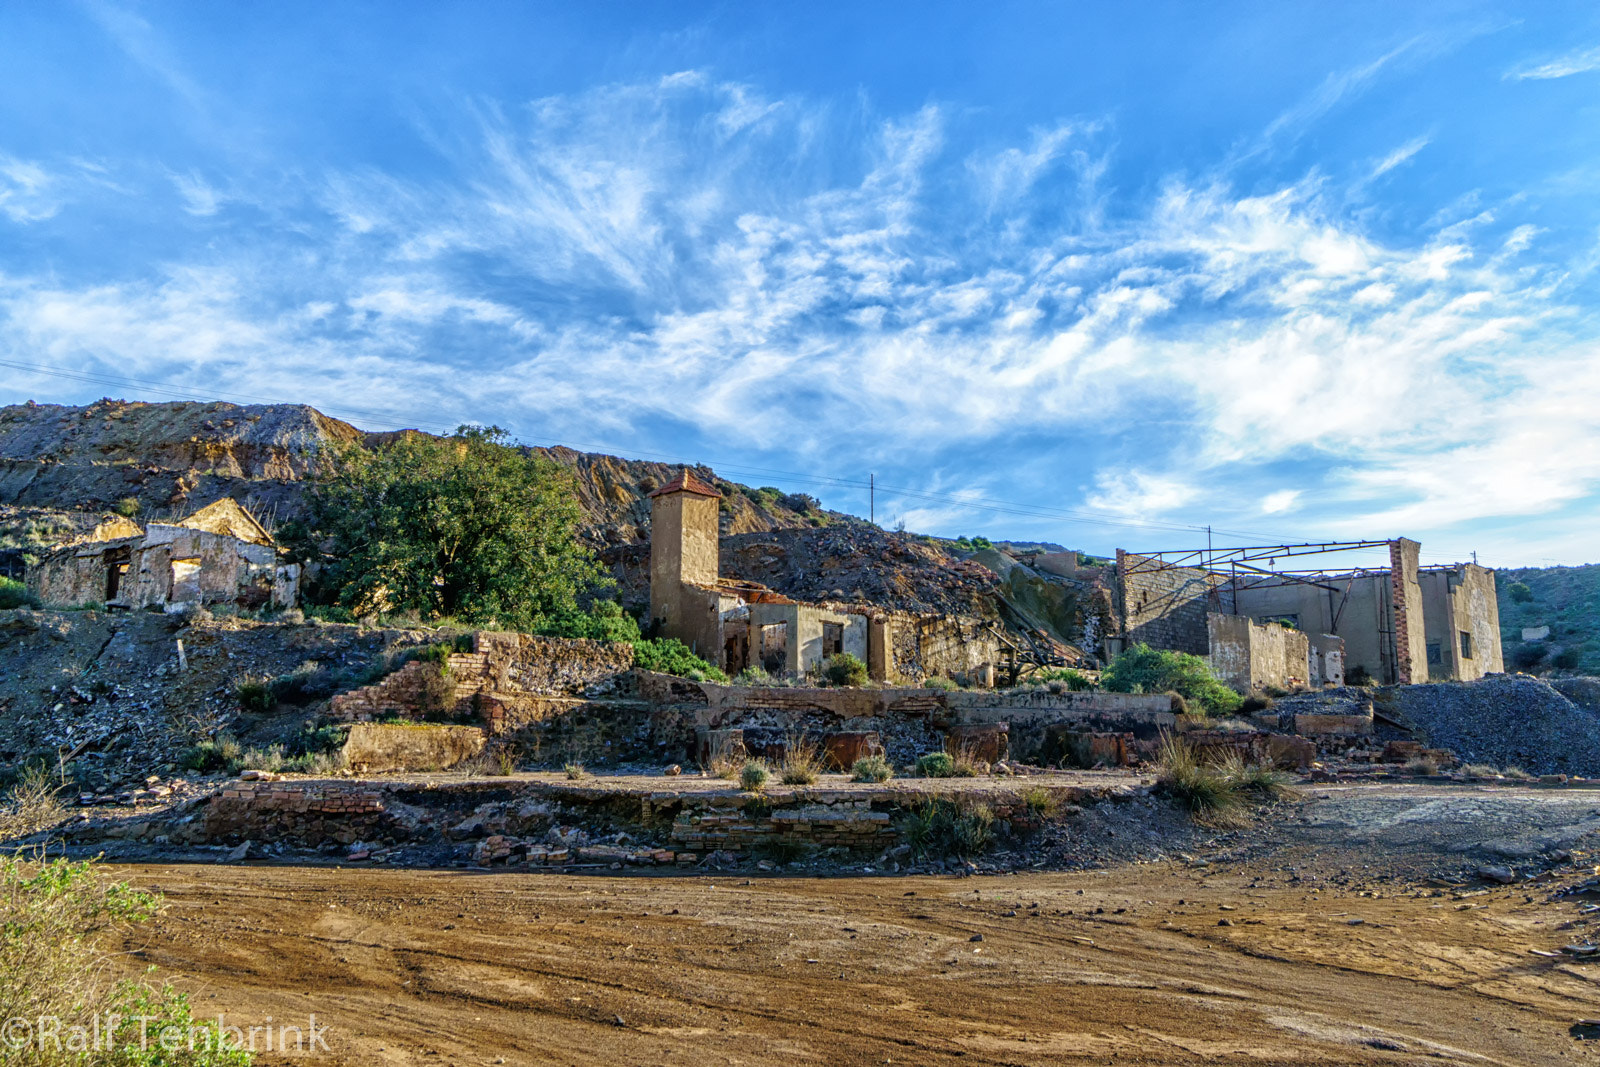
(1504, 720)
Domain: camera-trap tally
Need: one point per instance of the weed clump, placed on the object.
(753, 776)
(53, 919)
(943, 827)
(871, 769)
(1209, 791)
(936, 765)
(801, 763)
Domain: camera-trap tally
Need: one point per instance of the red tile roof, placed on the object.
(687, 483)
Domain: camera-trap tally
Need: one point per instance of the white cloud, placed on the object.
(1279, 502)
(690, 252)
(1400, 155)
(26, 191)
(1581, 62)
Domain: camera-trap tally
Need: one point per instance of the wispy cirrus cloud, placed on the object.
(1579, 62)
(689, 258)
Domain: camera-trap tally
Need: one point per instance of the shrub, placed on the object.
(668, 655)
(939, 682)
(1422, 765)
(1516, 773)
(254, 695)
(1256, 702)
(254, 758)
(801, 764)
(1519, 592)
(753, 776)
(14, 594)
(218, 754)
(604, 621)
(574, 771)
(1480, 770)
(944, 827)
(1142, 669)
(965, 764)
(845, 669)
(127, 507)
(752, 676)
(53, 918)
(1075, 680)
(1358, 675)
(871, 769)
(936, 765)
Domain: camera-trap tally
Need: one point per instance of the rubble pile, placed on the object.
(1503, 720)
(119, 697)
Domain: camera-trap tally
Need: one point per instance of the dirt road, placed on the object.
(1284, 957)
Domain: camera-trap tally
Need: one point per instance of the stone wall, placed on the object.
(1250, 656)
(503, 672)
(1166, 607)
(373, 748)
(910, 721)
(938, 646)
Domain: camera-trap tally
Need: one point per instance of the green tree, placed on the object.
(1519, 592)
(1142, 669)
(464, 527)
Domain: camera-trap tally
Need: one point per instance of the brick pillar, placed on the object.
(1410, 639)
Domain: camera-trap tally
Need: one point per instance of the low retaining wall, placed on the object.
(539, 821)
(375, 748)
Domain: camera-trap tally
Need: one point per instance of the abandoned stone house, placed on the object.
(737, 624)
(218, 555)
(1264, 627)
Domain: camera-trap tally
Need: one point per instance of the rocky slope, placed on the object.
(61, 468)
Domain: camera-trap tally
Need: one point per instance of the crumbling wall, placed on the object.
(503, 671)
(1166, 607)
(1456, 601)
(1247, 655)
(373, 748)
(944, 646)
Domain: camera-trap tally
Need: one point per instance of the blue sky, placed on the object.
(1094, 274)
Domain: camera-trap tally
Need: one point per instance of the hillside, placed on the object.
(1566, 599)
(62, 468)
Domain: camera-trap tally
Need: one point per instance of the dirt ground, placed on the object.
(1326, 941)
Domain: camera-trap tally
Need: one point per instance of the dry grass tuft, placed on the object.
(802, 762)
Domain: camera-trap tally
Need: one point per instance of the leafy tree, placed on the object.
(1142, 669)
(1519, 592)
(463, 527)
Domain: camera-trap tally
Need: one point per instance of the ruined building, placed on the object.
(1261, 626)
(737, 624)
(218, 555)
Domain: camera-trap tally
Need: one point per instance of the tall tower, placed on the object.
(683, 552)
